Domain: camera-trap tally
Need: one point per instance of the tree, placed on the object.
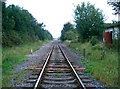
(89, 21)
(70, 35)
(20, 26)
(47, 35)
(116, 7)
(67, 27)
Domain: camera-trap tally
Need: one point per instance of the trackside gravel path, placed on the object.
(37, 58)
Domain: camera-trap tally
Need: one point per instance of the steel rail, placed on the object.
(42, 71)
(78, 78)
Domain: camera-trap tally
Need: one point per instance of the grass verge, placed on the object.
(100, 62)
(14, 55)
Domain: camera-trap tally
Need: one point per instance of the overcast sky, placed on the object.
(55, 13)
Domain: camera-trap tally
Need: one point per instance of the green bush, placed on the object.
(97, 47)
(94, 40)
(10, 39)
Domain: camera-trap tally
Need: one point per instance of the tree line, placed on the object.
(19, 26)
(89, 23)
(68, 32)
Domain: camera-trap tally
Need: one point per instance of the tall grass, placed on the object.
(14, 55)
(100, 61)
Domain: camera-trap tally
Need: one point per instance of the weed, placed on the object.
(13, 56)
(100, 61)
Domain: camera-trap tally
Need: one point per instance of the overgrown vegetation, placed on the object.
(68, 32)
(100, 61)
(20, 33)
(115, 6)
(19, 26)
(14, 55)
(89, 21)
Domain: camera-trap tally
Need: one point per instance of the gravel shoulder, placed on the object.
(37, 58)
(20, 71)
(75, 58)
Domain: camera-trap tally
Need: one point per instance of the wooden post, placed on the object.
(84, 52)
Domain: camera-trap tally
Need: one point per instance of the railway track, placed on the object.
(57, 73)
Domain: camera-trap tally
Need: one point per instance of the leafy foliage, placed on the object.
(94, 40)
(20, 26)
(70, 35)
(68, 32)
(89, 21)
(116, 7)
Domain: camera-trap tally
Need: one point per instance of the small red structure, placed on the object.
(108, 38)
